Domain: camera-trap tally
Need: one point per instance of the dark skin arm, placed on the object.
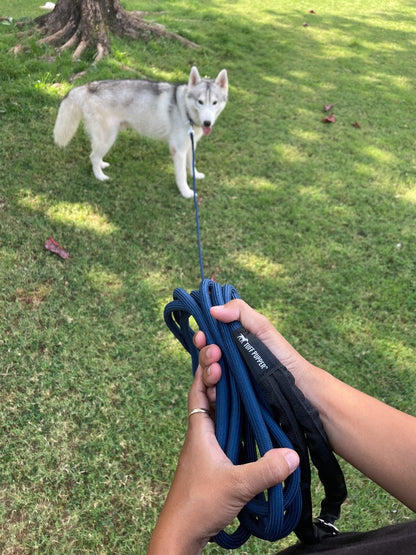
(208, 491)
(376, 438)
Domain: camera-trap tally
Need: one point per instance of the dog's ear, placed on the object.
(194, 77)
(222, 80)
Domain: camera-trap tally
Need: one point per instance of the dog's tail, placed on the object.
(69, 117)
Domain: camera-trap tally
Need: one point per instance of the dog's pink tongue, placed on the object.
(206, 130)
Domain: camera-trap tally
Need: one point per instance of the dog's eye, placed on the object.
(215, 102)
(200, 101)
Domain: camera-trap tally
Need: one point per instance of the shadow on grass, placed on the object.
(272, 130)
(323, 184)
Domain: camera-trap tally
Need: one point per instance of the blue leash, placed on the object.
(240, 419)
(243, 421)
(198, 230)
(249, 403)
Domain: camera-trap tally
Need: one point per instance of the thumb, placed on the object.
(273, 468)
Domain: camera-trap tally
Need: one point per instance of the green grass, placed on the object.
(313, 223)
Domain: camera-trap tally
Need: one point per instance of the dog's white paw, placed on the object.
(187, 193)
(104, 165)
(199, 175)
(101, 176)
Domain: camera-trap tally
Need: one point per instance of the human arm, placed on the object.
(208, 491)
(375, 438)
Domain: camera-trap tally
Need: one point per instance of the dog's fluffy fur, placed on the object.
(154, 109)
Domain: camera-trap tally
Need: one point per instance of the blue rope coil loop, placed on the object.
(244, 424)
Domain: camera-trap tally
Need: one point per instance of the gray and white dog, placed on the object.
(154, 109)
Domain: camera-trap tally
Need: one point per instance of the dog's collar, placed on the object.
(190, 120)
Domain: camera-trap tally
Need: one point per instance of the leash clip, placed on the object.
(323, 528)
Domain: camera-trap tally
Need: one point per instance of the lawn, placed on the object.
(312, 222)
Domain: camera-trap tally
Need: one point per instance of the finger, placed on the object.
(273, 468)
(211, 370)
(253, 321)
(208, 359)
(199, 422)
(209, 355)
(199, 340)
(197, 396)
(239, 310)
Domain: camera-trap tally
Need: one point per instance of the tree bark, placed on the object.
(82, 24)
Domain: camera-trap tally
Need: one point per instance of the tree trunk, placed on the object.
(82, 24)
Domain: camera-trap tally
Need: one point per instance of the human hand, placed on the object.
(342, 408)
(259, 325)
(208, 491)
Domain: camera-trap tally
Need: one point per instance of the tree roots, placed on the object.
(82, 24)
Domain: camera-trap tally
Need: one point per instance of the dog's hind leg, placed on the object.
(98, 165)
(102, 139)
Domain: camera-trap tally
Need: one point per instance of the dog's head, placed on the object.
(206, 98)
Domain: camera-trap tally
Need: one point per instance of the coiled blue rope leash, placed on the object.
(243, 424)
(246, 419)
(245, 427)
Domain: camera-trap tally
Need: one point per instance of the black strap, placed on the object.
(301, 423)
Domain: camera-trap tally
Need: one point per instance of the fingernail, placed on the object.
(292, 460)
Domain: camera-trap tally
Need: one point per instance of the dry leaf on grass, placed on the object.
(53, 246)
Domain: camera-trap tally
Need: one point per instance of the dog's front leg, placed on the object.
(189, 163)
(179, 163)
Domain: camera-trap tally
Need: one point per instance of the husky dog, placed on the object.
(154, 109)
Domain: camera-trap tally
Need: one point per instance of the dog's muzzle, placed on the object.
(206, 128)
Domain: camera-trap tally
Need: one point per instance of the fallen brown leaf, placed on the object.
(53, 246)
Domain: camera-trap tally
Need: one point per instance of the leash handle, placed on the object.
(302, 425)
(198, 230)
